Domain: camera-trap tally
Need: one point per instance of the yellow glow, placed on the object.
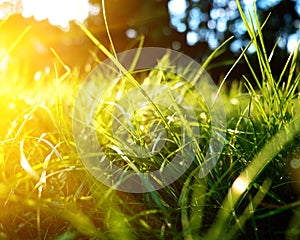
(58, 12)
(4, 58)
(240, 185)
(12, 105)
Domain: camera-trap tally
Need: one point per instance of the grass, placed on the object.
(252, 192)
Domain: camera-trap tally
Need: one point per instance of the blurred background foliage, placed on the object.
(195, 27)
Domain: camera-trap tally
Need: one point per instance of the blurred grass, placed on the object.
(252, 193)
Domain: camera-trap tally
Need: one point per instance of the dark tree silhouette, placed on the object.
(197, 27)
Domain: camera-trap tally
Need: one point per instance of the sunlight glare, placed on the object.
(58, 12)
(37, 76)
(240, 185)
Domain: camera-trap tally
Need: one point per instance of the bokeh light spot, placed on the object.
(131, 33)
(295, 163)
(176, 45)
(192, 38)
(292, 41)
(177, 7)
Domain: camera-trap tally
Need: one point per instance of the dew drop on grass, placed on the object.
(37, 76)
(203, 116)
(240, 185)
(234, 101)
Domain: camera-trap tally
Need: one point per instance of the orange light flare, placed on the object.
(29, 29)
(50, 24)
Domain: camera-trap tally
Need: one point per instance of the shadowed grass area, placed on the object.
(252, 193)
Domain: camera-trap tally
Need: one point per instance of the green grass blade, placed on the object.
(250, 209)
(273, 50)
(246, 178)
(253, 73)
(107, 28)
(284, 71)
(293, 64)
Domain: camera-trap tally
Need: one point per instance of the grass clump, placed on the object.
(251, 193)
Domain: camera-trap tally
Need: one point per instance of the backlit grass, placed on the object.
(252, 193)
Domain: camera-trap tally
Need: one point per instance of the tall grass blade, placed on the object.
(25, 163)
(107, 28)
